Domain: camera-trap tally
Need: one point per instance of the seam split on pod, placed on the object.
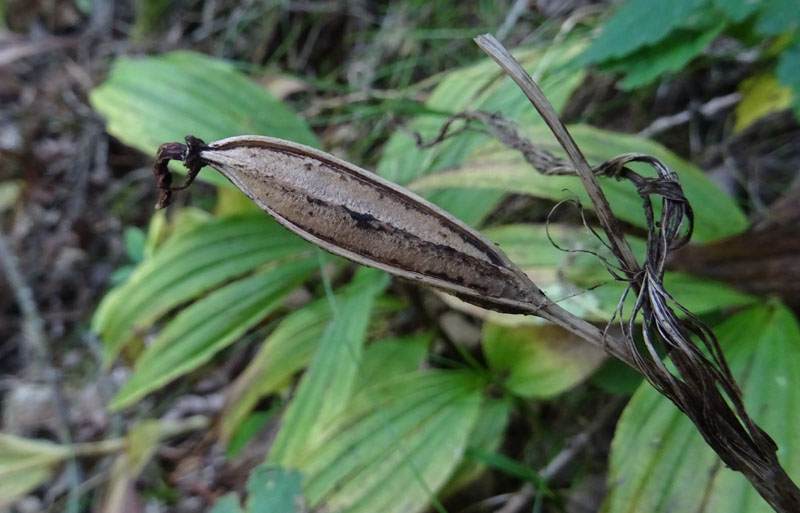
(360, 216)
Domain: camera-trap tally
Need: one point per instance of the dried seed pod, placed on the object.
(360, 216)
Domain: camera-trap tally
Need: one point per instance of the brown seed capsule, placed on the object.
(358, 215)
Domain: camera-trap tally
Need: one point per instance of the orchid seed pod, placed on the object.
(360, 216)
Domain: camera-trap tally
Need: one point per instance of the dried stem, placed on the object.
(704, 388)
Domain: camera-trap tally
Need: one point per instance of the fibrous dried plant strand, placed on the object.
(704, 388)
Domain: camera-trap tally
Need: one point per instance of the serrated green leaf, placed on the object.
(152, 100)
(539, 361)
(481, 86)
(636, 24)
(325, 388)
(789, 72)
(200, 331)
(275, 489)
(673, 54)
(761, 95)
(660, 462)
(26, 464)
(396, 447)
(776, 17)
(495, 167)
(737, 10)
(187, 265)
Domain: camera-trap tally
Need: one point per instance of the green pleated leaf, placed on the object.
(152, 100)
(573, 278)
(495, 167)
(396, 447)
(486, 436)
(325, 388)
(26, 464)
(284, 352)
(392, 357)
(186, 266)
(539, 361)
(636, 24)
(209, 325)
(481, 86)
(659, 462)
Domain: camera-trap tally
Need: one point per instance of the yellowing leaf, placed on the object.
(151, 100)
(479, 86)
(540, 361)
(761, 95)
(25, 464)
(209, 325)
(395, 446)
(493, 166)
(325, 388)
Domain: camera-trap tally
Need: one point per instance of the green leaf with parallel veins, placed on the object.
(209, 325)
(478, 87)
(486, 436)
(659, 461)
(538, 361)
(187, 265)
(401, 439)
(26, 464)
(392, 357)
(284, 352)
(148, 101)
(495, 167)
(575, 276)
(325, 387)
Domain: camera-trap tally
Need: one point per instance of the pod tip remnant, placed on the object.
(189, 154)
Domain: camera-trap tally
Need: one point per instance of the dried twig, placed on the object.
(708, 109)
